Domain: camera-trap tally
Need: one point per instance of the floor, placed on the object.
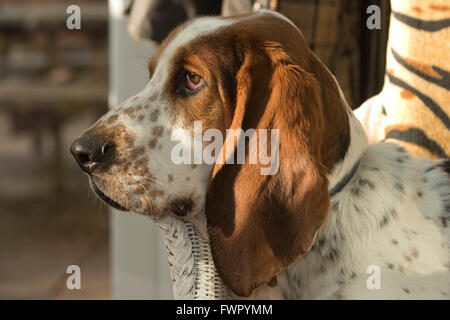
(43, 230)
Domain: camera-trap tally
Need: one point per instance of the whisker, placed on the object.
(147, 196)
(165, 186)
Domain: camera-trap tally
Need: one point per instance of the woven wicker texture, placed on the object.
(192, 268)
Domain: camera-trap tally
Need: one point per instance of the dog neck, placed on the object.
(358, 145)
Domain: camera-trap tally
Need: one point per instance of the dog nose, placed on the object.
(89, 153)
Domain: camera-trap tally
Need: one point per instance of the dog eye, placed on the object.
(192, 81)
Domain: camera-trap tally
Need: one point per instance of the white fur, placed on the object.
(411, 250)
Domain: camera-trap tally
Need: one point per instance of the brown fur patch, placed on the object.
(152, 143)
(131, 112)
(112, 119)
(136, 153)
(155, 193)
(155, 59)
(158, 131)
(154, 115)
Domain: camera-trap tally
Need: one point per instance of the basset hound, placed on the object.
(338, 219)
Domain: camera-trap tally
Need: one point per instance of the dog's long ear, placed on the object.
(259, 224)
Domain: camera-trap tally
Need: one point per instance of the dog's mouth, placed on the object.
(105, 198)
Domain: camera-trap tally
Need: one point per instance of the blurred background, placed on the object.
(53, 85)
(55, 82)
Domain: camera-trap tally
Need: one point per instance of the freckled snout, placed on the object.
(89, 152)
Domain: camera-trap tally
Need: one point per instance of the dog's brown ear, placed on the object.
(259, 224)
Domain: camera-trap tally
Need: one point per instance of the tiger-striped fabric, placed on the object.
(414, 106)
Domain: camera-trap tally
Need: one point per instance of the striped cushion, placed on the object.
(414, 106)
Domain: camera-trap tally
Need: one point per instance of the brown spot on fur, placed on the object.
(136, 153)
(405, 94)
(188, 179)
(141, 117)
(131, 112)
(193, 166)
(144, 201)
(156, 193)
(401, 268)
(152, 143)
(158, 131)
(112, 119)
(416, 9)
(170, 178)
(406, 290)
(141, 164)
(154, 115)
